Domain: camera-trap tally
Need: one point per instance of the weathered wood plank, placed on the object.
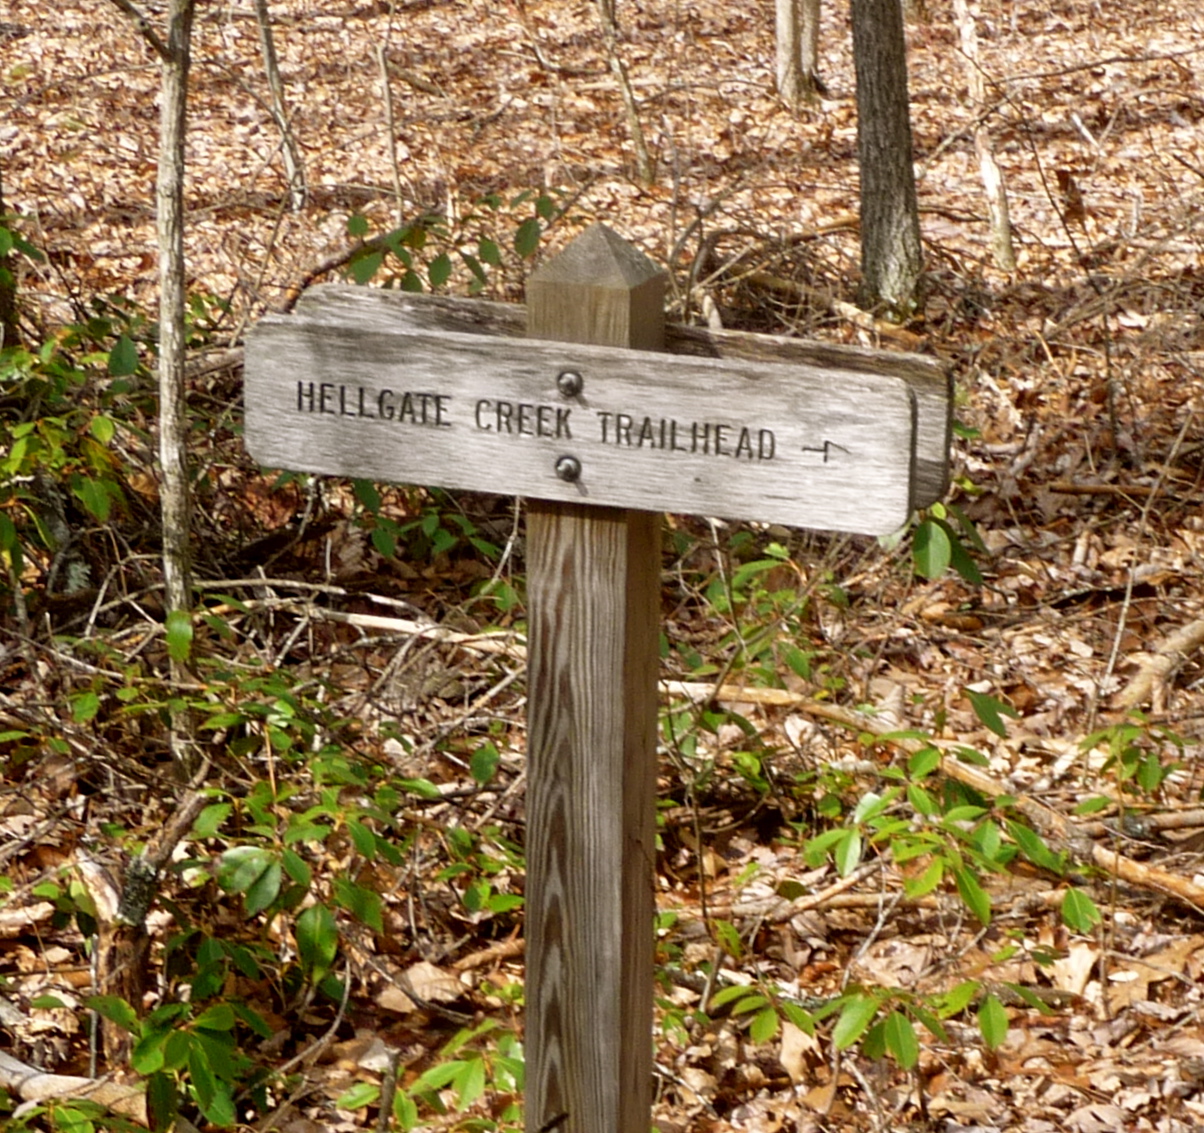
(591, 834)
(593, 580)
(830, 449)
(931, 382)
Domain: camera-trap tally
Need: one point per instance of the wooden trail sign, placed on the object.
(376, 310)
(389, 387)
(375, 385)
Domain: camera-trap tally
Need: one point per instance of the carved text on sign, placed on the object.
(425, 409)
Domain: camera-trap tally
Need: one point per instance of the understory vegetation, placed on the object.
(928, 821)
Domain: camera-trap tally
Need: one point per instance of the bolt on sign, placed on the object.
(603, 417)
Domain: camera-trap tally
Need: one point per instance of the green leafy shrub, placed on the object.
(479, 247)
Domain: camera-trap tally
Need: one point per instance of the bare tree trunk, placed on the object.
(992, 176)
(175, 56)
(173, 421)
(797, 40)
(645, 168)
(294, 168)
(810, 46)
(891, 255)
(788, 40)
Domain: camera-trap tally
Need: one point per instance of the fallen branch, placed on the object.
(1054, 826)
(1156, 669)
(33, 1085)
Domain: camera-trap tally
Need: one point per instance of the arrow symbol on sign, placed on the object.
(826, 448)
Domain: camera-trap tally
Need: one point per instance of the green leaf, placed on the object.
(362, 838)
(489, 252)
(84, 706)
(260, 894)
(922, 801)
(728, 937)
(94, 496)
(526, 238)
(957, 999)
(212, 1096)
(1033, 847)
(357, 226)
(363, 904)
(317, 937)
(474, 266)
(363, 268)
(798, 1016)
(439, 1076)
(253, 1019)
(931, 549)
(972, 757)
(123, 358)
(440, 270)
(1030, 997)
(240, 866)
(469, 1084)
(405, 1111)
(116, 1010)
(848, 853)
(933, 1025)
(179, 635)
(900, 1037)
(927, 881)
(993, 1022)
(764, 1025)
(924, 762)
(976, 898)
(162, 1103)
(798, 660)
(360, 1095)
(296, 868)
(210, 820)
(484, 763)
(1079, 912)
(368, 494)
(961, 562)
(423, 788)
(219, 1017)
(991, 710)
(855, 1017)
(726, 995)
(102, 428)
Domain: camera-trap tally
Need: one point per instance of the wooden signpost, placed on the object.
(603, 430)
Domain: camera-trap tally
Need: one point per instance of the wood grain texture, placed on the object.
(793, 444)
(593, 579)
(930, 381)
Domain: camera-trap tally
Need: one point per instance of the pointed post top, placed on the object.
(601, 256)
(601, 289)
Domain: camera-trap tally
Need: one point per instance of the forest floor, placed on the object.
(1079, 458)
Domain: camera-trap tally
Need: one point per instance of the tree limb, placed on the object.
(144, 27)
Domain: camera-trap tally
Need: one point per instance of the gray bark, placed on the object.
(891, 256)
(797, 40)
(293, 166)
(173, 422)
(992, 175)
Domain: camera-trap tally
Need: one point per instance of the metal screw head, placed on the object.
(570, 383)
(568, 468)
